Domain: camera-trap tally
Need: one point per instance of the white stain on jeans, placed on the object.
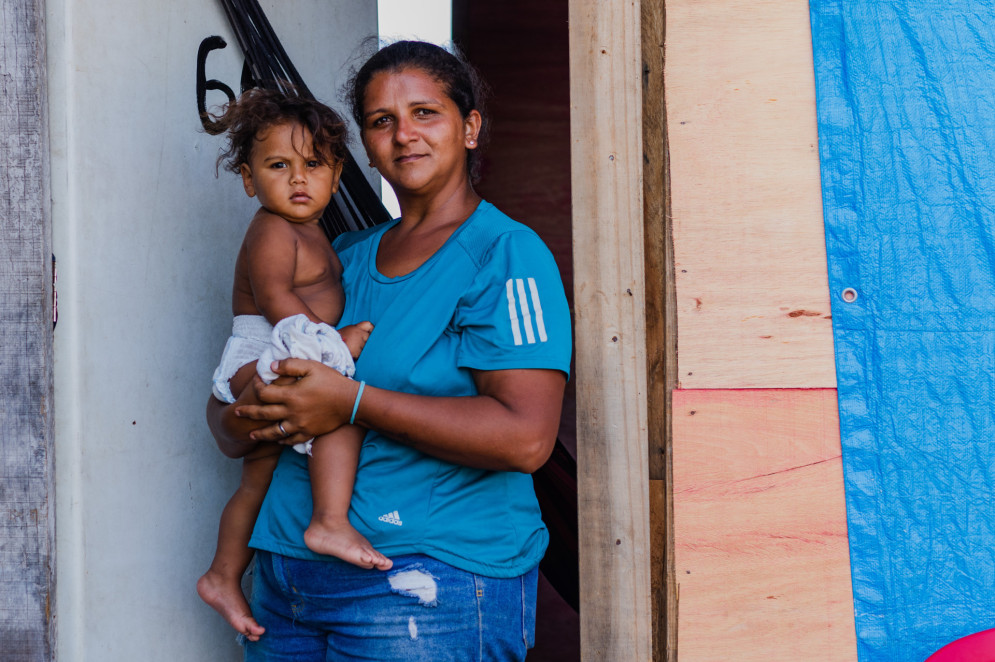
(416, 583)
(412, 628)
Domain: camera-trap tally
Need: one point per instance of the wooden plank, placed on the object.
(661, 329)
(609, 280)
(753, 300)
(26, 446)
(760, 527)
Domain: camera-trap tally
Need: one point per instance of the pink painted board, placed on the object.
(762, 560)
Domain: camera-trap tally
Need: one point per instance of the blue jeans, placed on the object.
(421, 609)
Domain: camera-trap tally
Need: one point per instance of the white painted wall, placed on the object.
(146, 239)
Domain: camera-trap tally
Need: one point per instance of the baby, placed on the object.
(289, 152)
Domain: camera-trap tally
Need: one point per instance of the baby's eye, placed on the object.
(276, 165)
(313, 163)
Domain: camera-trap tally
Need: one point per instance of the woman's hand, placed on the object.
(308, 400)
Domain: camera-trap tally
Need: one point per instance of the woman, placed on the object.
(464, 375)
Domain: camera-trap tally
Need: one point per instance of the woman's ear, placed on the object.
(471, 127)
(246, 172)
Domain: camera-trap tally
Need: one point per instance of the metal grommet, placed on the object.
(849, 295)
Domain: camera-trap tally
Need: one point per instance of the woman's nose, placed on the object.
(405, 130)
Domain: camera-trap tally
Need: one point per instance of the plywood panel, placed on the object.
(753, 303)
(760, 527)
(613, 486)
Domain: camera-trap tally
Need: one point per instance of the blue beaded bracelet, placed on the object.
(355, 407)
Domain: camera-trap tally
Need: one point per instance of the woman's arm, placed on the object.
(232, 432)
(510, 426)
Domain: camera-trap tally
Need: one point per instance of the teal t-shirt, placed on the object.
(490, 299)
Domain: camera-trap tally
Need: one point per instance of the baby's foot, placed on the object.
(339, 539)
(225, 596)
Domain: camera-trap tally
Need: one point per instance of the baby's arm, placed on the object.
(271, 260)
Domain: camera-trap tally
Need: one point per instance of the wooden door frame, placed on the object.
(27, 561)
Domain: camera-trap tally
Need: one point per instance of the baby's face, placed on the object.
(287, 176)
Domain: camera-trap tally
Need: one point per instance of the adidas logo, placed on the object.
(392, 518)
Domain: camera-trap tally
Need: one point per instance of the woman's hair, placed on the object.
(259, 109)
(459, 79)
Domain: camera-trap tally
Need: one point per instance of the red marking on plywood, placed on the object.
(760, 527)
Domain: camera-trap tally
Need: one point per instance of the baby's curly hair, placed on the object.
(258, 109)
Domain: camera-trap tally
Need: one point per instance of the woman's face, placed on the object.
(414, 133)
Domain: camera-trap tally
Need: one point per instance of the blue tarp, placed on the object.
(906, 109)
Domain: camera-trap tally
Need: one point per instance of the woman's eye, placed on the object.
(424, 111)
(380, 121)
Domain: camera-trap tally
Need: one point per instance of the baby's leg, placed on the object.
(221, 585)
(334, 457)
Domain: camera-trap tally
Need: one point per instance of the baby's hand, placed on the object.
(355, 336)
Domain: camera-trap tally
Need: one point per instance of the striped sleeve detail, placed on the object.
(531, 321)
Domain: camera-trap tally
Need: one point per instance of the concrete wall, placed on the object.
(146, 239)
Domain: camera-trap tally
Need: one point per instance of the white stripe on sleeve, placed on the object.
(526, 315)
(540, 326)
(512, 313)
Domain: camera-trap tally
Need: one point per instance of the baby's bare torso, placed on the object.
(282, 265)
